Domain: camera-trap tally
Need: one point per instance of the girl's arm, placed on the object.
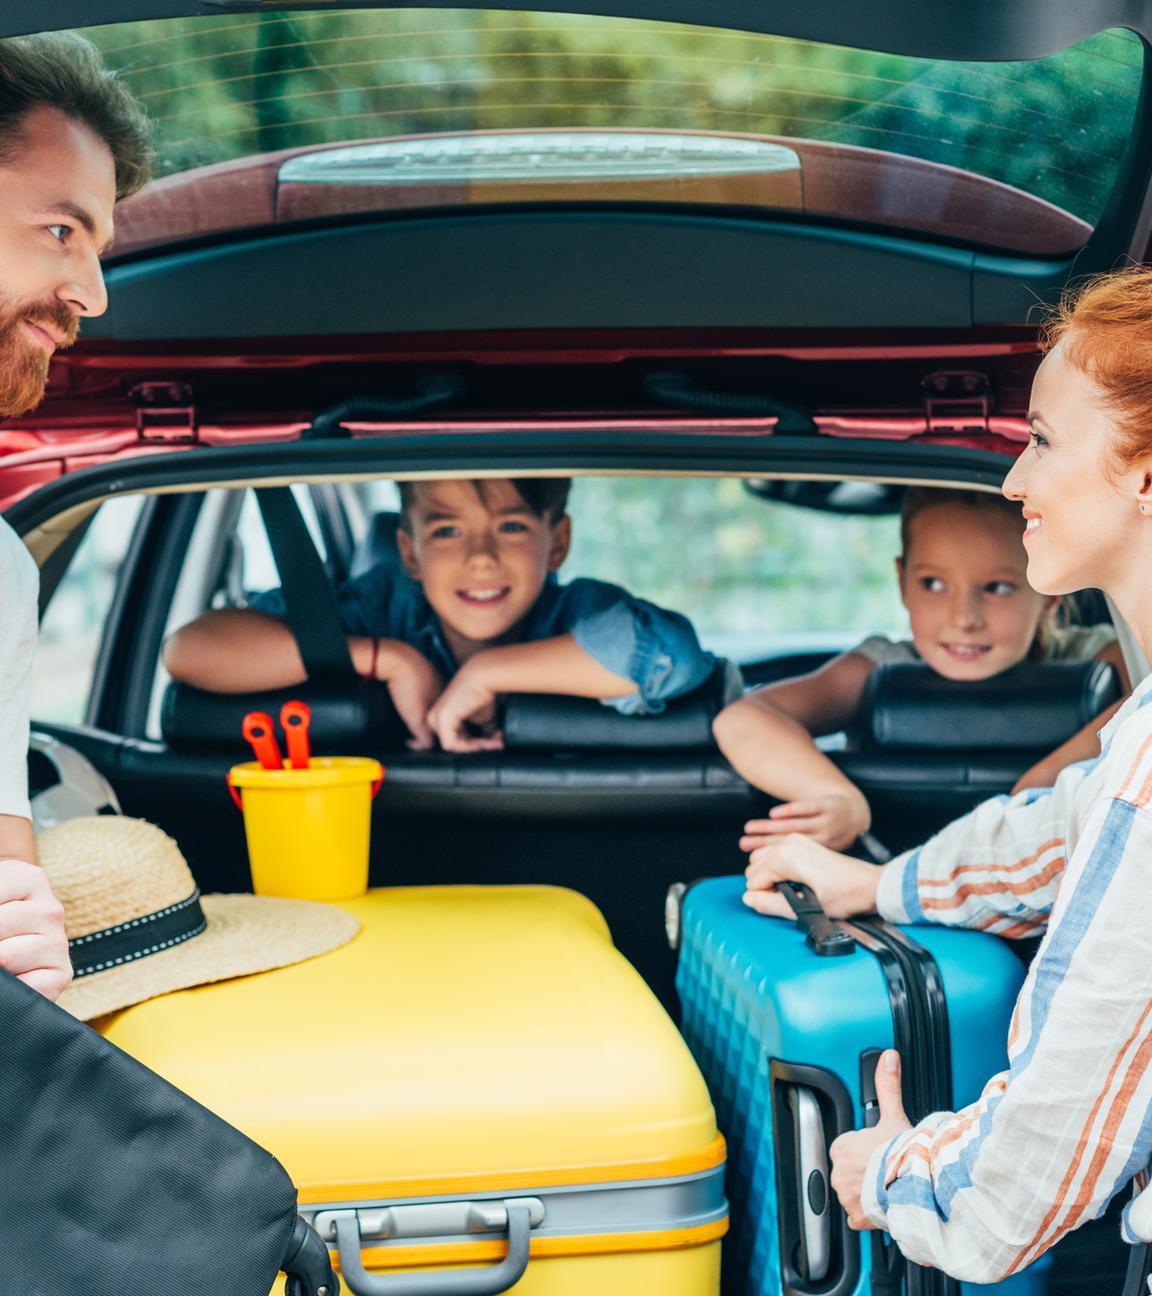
(767, 737)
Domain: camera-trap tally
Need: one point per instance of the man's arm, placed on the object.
(16, 838)
(33, 944)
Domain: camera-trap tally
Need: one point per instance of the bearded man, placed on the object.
(72, 142)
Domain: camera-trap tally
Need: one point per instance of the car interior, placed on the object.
(742, 333)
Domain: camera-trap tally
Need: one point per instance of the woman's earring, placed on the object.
(1143, 508)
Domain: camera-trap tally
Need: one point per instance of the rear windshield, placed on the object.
(441, 108)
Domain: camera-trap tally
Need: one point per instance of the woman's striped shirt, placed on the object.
(982, 1192)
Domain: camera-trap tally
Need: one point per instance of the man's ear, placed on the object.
(561, 543)
(407, 550)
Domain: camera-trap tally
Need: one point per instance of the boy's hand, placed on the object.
(414, 685)
(834, 820)
(467, 701)
(843, 885)
(33, 945)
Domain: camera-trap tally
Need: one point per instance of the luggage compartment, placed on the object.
(788, 1042)
(478, 1072)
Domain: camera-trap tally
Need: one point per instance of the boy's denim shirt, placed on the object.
(656, 649)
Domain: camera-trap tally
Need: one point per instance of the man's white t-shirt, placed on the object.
(19, 625)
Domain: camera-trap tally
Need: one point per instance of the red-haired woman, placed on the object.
(983, 1192)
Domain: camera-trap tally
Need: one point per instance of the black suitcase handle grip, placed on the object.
(823, 935)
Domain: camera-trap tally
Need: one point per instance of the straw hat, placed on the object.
(138, 927)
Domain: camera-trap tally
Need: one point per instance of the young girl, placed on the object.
(963, 580)
(983, 1192)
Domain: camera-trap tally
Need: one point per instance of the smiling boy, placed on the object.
(476, 613)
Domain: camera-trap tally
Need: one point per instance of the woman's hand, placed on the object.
(851, 1153)
(834, 820)
(843, 885)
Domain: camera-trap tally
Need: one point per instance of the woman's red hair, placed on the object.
(1105, 328)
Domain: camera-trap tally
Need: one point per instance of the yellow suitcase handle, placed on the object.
(459, 1282)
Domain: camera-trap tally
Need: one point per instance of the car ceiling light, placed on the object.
(536, 156)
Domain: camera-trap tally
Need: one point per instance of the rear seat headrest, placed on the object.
(358, 714)
(1035, 706)
(555, 722)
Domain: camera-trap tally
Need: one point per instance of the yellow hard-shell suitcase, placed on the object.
(494, 1090)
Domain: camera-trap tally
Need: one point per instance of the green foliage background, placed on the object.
(752, 574)
(227, 86)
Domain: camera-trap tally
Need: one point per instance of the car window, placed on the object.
(758, 578)
(73, 623)
(449, 107)
(254, 568)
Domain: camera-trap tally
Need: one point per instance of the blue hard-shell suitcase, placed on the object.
(788, 1038)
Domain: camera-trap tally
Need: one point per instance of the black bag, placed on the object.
(114, 1181)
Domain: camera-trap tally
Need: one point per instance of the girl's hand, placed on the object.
(843, 885)
(835, 820)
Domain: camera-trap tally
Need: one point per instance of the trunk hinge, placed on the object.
(957, 401)
(166, 412)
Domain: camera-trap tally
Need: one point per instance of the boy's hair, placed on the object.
(547, 497)
(919, 498)
(63, 71)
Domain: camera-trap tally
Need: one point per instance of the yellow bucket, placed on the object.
(308, 829)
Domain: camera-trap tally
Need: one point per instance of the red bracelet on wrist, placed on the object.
(370, 673)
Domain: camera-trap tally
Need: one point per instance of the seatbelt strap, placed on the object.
(313, 614)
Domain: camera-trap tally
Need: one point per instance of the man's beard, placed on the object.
(23, 364)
